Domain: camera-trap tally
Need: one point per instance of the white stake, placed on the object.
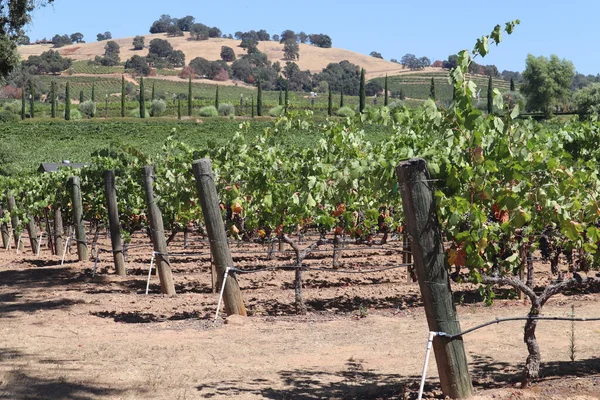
(221, 294)
(150, 271)
(427, 353)
(65, 250)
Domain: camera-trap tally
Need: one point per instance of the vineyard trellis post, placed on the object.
(113, 221)
(58, 228)
(14, 219)
(418, 202)
(157, 231)
(32, 232)
(80, 235)
(4, 231)
(48, 230)
(215, 228)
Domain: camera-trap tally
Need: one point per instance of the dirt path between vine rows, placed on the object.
(67, 335)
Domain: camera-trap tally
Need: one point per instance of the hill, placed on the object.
(311, 57)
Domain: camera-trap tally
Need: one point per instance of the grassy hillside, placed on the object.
(311, 57)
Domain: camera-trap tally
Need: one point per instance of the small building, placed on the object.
(53, 167)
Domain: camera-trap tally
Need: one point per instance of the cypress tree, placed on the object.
(23, 103)
(80, 96)
(123, 96)
(342, 96)
(31, 99)
(362, 93)
(490, 96)
(53, 99)
(385, 94)
(190, 97)
(153, 83)
(217, 98)
(252, 107)
(280, 97)
(287, 97)
(512, 85)
(330, 103)
(142, 99)
(178, 107)
(258, 100)
(93, 97)
(432, 89)
(67, 103)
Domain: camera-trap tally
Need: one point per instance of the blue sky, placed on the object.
(429, 28)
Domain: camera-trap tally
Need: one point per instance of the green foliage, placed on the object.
(226, 109)
(330, 103)
(74, 115)
(227, 54)
(138, 43)
(217, 97)
(277, 111)
(385, 91)
(31, 99)
(135, 113)
(88, 108)
(490, 96)
(259, 99)
(138, 65)
(341, 76)
(67, 102)
(49, 62)
(142, 111)
(587, 101)
(345, 112)
(291, 50)
(432, 89)
(123, 96)
(208, 111)
(546, 82)
(157, 107)
(320, 40)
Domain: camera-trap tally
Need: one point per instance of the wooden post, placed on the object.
(420, 210)
(113, 222)
(49, 231)
(80, 235)
(58, 229)
(14, 219)
(4, 231)
(157, 231)
(215, 228)
(32, 231)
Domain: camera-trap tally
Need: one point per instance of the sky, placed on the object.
(430, 28)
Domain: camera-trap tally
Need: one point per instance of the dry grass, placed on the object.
(311, 57)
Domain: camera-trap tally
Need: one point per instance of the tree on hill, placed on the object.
(185, 23)
(451, 62)
(373, 87)
(174, 31)
(376, 54)
(77, 37)
(112, 54)
(138, 64)
(160, 47)
(49, 62)
(341, 75)
(199, 32)
(263, 35)
(162, 24)
(227, 54)
(61, 40)
(320, 40)
(138, 43)
(214, 32)
(287, 35)
(291, 50)
(23, 40)
(275, 38)
(302, 37)
(546, 82)
(103, 36)
(176, 59)
(297, 80)
(362, 92)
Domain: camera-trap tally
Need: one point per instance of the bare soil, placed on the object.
(68, 334)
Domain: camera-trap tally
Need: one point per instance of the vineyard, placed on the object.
(300, 227)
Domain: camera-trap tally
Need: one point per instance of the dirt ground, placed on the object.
(65, 334)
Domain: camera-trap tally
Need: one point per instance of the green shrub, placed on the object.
(277, 111)
(345, 112)
(8, 116)
(13, 106)
(157, 108)
(75, 114)
(208, 111)
(135, 113)
(392, 106)
(88, 108)
(226, 109)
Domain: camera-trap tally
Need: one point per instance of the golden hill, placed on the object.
(311, 57)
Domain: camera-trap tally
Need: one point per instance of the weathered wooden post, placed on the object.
(80, 235)
(157, 231)
(113, 221)
(4, 231)
(215, 228)
(429, 259)
(32, 232)
(58, 228)
(49, 230)
(14, 219)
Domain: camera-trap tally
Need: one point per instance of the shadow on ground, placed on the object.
(353, 382)
(17, 384)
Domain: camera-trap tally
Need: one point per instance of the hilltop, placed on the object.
(312, 58)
